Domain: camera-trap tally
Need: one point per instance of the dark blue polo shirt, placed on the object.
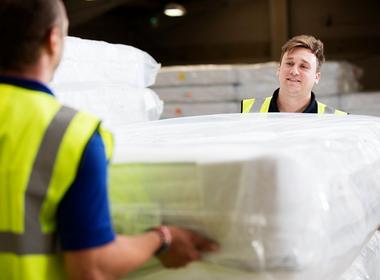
(311, 108)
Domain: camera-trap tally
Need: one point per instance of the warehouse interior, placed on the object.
(163, 140)
(235, 31)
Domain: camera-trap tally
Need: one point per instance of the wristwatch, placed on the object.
(166, 239)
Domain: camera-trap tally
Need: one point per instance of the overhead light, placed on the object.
(174, 10)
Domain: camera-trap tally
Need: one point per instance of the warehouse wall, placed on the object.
(231, 33)
(239, 31)
(350, 30)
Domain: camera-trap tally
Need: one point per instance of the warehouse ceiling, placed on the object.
(82, 11)
(233, 31)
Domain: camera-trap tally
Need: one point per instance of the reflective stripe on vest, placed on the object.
(33, 240)
(324, 109)
(256, 105)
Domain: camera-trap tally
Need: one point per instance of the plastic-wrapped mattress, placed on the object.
(288, 196)
(365, 267)
(109, 81)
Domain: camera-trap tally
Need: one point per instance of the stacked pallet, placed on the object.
(197, 90)
(244, 180)
(108, 80)
(211, 89)
(361, 103)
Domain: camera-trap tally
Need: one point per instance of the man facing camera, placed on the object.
(299, 70)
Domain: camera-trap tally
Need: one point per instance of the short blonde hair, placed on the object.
(307, 42)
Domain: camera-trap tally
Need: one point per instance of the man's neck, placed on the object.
(293, 104)
(37, 72)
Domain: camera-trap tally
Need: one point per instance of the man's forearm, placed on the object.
(113, 260)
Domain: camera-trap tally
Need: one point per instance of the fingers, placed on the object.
(203, 244)
(207, 245)
(179, 258)
(186, 247)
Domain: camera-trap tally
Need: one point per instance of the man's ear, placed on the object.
(53, 41)
(317, 77)
(278, 70)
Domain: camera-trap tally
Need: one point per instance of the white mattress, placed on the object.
(116, 104)
(366, 103)
(206, 93)
(108, 80)
(196, 75)
(97, 61)
(365, 267)
(361, 103)
(284, 194)
(174, 110)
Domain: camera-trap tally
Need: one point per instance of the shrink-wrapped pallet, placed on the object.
(173, 110)
(197, 94)
(115, 104)
(287, 196)
(338, 77)
(196, 75)
(367, 265)
(109, 81)
(97, 61)
(365, 103)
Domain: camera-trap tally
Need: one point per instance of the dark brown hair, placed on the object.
(307, 42)
(24, 27)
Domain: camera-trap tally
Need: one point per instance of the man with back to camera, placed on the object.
(54, 212)
(301, 60)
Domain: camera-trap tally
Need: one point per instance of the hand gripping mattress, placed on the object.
(287, 196)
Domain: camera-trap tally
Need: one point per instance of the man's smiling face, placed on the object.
(297, 72)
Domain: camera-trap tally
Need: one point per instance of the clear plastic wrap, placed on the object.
(116, 104)
(206, 93)
(97, 61)
(362, 103)
(367, 265)
(173, 110)
(196, 75)
(287, 196)
(108, 80)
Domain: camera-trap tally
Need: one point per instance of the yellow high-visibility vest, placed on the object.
(41, 145)
(253, 105)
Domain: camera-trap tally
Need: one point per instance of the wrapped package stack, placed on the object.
(108, 80)
(209, 89)
(287, 196)
(364, 103)
(197, 90)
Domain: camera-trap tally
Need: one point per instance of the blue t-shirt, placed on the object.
(83, 216)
